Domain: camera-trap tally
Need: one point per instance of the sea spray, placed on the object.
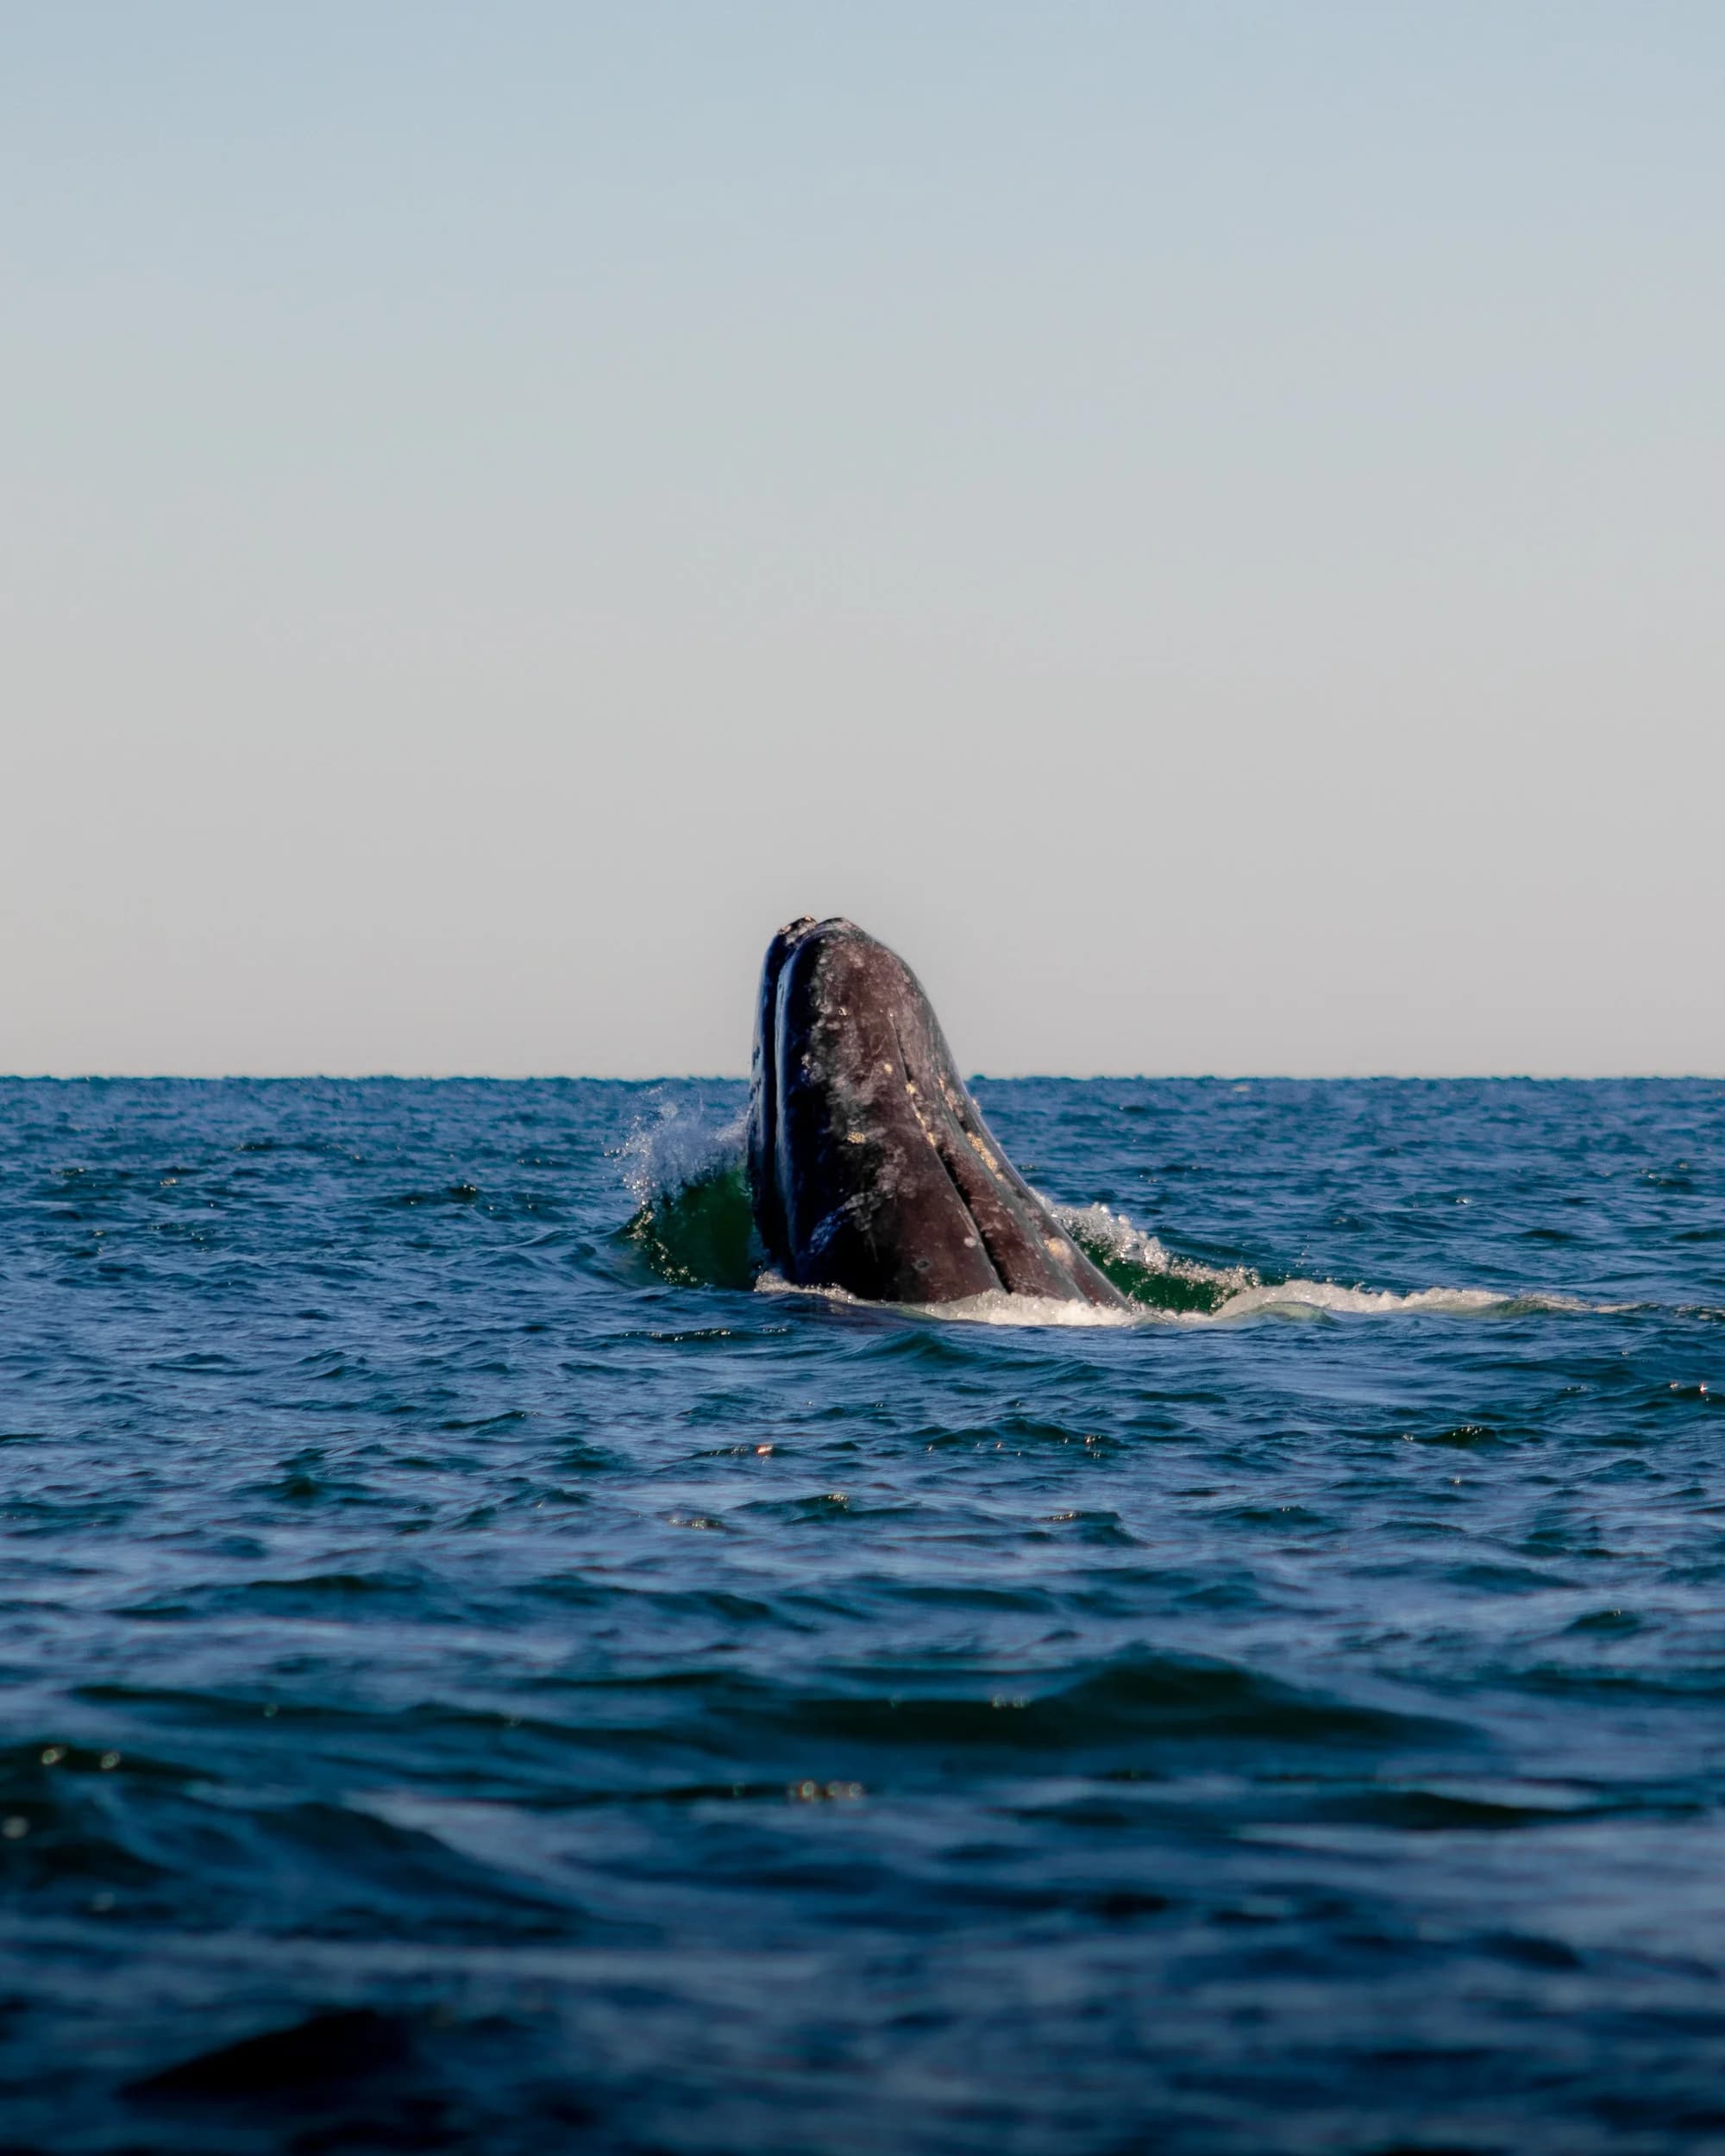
(692, 1224)
(694, 1227)
(1144, 1270)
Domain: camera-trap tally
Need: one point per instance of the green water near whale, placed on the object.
(481, 1674)
(700, 1233)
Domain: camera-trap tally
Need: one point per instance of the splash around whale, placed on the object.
(863, 1171)
(871, 1169)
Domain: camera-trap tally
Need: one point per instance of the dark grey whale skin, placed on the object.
(870, 1167)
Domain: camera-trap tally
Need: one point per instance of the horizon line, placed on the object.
(729, 1078)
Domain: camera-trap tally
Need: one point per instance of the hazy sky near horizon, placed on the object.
(1202, 525)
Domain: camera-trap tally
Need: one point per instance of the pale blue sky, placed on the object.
(1202, 525)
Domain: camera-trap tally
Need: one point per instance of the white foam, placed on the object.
(1098, 1228)
(995, 1308)
(1285, 1298)
(682, 1143)
(1244, 1293)
(1295, 1296)
(1001, 1308)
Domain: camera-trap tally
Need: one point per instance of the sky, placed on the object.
(1202, 525)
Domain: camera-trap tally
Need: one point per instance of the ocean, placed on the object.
(483, 1671)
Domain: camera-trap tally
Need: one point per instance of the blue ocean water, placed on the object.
(464, 1690)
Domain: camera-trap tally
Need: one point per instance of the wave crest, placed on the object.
(692, 1224)
(1144, 1270)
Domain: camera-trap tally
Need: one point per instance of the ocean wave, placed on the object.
(692, 1224)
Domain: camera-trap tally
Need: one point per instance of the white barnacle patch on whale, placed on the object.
(987, 1158)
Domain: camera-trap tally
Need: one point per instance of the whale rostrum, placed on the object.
(870, 1167)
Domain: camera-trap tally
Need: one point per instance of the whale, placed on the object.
(871, 1169)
